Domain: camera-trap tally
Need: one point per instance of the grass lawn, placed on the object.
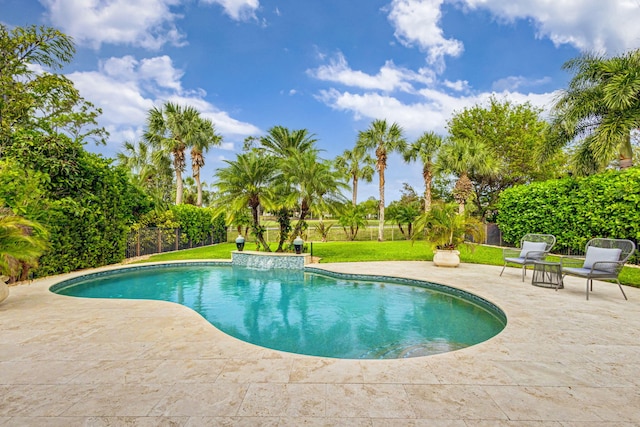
(373, 251)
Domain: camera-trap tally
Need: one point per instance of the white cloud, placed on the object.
(122, 102)
(417, 22)
(239, 10)
(609, 27)
(604, 26)
(513, 83)
(388, 79)
(145, 23)
(126, 89)
(161, 71)
(458, 85)
(430, 112)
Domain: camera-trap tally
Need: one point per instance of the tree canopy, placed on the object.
(33, 97)
(598, 111)
(511, 136)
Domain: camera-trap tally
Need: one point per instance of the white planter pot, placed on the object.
(446, 258)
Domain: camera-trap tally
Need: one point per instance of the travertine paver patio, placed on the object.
(561, 361)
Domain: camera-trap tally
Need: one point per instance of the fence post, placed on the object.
(177, 239)
(159, 240)
(138, 244)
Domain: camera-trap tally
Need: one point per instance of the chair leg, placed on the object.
(588, 280)
(621, 290)
(524, 271)
(503, 267)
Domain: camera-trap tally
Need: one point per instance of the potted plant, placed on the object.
(446, 229)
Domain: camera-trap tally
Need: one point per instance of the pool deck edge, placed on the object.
(561, 361)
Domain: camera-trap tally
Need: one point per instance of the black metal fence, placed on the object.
(148, 241)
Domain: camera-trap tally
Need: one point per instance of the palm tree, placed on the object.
(204, 140)
(306, 180)
(21, 244)
(148, 168)
(356, 164)
(247, 181)
(404, 214)
(382, 139)
(351, 219)
(281, 142)
(447, 229)
(599, 109)
(173, 129)
(461, 157)
(425, 149)
(315, 185)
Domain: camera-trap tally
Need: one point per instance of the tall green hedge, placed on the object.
(574, 209)
(198, 223)
(85, 203)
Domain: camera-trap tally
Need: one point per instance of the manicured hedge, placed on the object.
(574, 209)
(86, 204)
(198, 224)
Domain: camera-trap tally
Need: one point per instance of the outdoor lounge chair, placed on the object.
(533, 247)
(604, 259)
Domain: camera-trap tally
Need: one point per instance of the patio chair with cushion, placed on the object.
(533, 247)
(603, 260)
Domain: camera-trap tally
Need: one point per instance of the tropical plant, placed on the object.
(247, 181)
(370, 207)
(425, 149)
(383, 140)
(356, 164)
(598, 111)
(352, 219)
(446, 228)
(461, 157)
(404, 216)
(323, 229)
(283, 218)
(242, 221)
(173, 129)
(316, 187)
(22, 242)
(149, 169)
(282, 142)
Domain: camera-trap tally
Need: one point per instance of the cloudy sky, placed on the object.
(329, 66)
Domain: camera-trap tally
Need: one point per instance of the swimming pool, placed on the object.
(308, 312)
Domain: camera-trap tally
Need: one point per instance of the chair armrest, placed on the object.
(511, 253)
(535, 255)
(607, 266)
(571, 261)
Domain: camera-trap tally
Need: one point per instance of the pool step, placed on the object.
(401, 350)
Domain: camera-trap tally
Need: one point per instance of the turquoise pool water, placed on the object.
(310, 313)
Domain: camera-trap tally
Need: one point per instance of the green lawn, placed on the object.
(373, 251)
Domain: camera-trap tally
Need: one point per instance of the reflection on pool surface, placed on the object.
(309, 313)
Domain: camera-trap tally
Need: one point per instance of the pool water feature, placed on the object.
(311, 313)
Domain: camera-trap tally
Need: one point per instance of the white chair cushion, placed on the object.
(532, 247)
(595, 254)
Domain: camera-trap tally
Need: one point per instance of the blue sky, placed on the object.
(329, 66)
